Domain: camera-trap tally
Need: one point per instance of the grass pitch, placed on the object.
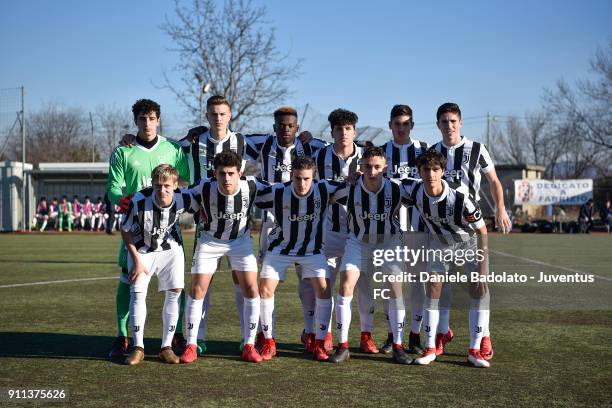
(552, 343)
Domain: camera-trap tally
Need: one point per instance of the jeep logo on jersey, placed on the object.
(282, 167)
(374, 217)
(305, 217)
(434, 218)
(231, 216)
(401, 169)
(159, 231)
(453, 174)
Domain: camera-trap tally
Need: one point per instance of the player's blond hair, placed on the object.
(164, 172)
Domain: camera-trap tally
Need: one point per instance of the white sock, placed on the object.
(44, 225)
(323, 313)
(417, 296)
(138, 314)
(343, 317)
(239, 306)
(267, 322)
(332, 265)
(204, 316)
(445, 303)
(397, 317)
(170, 315)
(308, 298)
(485, 329)
(250, 315)
(431, 316)
(365, 303)
(477, 320)
(193, 314)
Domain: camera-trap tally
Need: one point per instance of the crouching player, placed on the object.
(226, 201)
(455, 223)
(151, 234)
(299, 208)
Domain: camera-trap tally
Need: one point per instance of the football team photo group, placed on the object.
(325, 209)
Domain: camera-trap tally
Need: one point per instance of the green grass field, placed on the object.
(553, 343)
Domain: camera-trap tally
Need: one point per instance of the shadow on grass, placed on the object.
(77, 346)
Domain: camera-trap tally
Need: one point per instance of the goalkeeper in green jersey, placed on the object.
(130, 171)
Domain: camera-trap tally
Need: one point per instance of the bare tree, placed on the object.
(55, 134)
(590, 103)
(233, 49)
(112, 124)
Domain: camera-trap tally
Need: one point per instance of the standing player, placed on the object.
(226, 201)
(153, 239)
(299, 209)
(336, 162)
(274, 154)
(402, 153)
(465, 161)
(372, 206)
(132, 167)
(453, 219)
(201, 147)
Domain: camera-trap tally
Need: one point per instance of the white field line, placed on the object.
(16, 285)
(550, 265)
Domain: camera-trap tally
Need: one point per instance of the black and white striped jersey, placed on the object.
(156, 228)
(223, 216)
(465, 161)
(330, 166)
(453, 216)
(298, 221)
(401, 161)
(372, 214)
(200, 155)
(274, 159)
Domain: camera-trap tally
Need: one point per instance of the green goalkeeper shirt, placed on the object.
(130, 167)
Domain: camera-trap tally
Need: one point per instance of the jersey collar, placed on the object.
(442, 196)
(461, 143)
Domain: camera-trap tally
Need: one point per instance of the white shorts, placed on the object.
(442, 264)
(209, 250)
(359, 257)
(169, 266)
(275, 266)
(334, 243)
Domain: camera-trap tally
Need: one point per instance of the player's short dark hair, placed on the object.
(227, 159)
(164, 172)
(401, 110)
(431, 158)
(87, 198)
(99, 198)
(448, 107)
(64, 197)
(76, 197)
(217, 100)
(341, 117)
(373, 151)
(145, 106)
(285, 111)
(303, 163)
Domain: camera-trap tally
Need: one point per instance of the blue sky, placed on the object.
(365, 56)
